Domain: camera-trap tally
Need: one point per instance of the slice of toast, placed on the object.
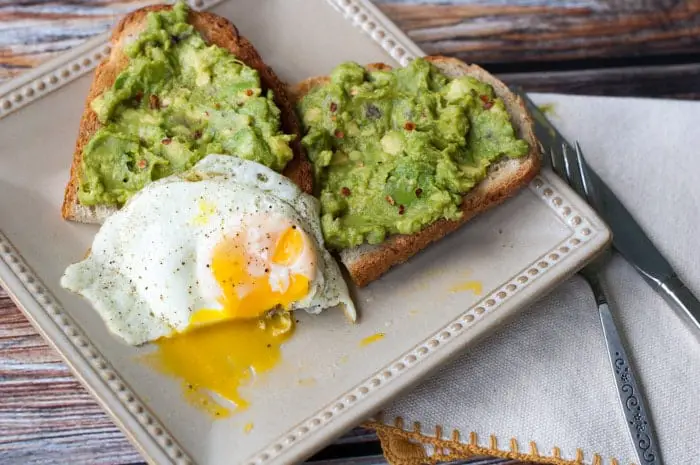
(366, 263)
(215, 30)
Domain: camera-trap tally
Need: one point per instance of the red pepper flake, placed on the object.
(142, 164)
(154, 102)
(334, 107)
(409, 126)
(166, 141)
(391, 200)
(419, 191)
(339, 134)
(217, 105)
(402, 209)
(345, 192)
(488, 103)
(249, 92)
(197, 134)
(138, 96)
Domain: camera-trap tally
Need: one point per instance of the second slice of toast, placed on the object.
(215, 30)
(366, 262)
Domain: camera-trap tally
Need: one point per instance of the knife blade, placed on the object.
(629, 239)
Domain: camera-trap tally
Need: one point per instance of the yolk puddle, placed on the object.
(371, 339)
(216, 360)
(474, 286)
(225, 349)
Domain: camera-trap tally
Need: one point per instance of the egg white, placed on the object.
(148, 270)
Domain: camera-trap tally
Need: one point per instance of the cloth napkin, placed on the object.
(541, 388)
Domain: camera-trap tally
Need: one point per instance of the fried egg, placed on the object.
(229, 239)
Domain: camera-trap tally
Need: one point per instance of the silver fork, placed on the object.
(573, 169)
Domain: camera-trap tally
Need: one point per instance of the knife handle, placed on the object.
(677, 294)
(631, 398)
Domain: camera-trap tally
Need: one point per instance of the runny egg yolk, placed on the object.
(214, 361)
(254, 279)
(257, 270)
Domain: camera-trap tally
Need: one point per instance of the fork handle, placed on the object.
(631, 398)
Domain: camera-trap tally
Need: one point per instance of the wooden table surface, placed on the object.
(603, 47)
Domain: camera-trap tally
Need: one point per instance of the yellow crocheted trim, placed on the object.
(406, 447)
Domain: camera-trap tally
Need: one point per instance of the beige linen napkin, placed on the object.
(541, 388)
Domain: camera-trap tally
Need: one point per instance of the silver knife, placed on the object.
(629, 238)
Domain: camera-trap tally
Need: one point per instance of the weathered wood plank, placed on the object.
(672, 81)
(45, 413)
(524, 31)
(486, 31)
(32, 31)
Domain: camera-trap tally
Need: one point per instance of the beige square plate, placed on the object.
(517, 252)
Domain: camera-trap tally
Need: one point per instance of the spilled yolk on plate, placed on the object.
(225, 349)
(474, 286)
(371, 339)
(214, 361)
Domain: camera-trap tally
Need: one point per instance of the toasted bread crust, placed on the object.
(215, 30)
(368, 262)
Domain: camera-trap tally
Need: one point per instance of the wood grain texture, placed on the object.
(32, 31)
(44, 410)
(670, 81)
(536, 30)
(491, 32)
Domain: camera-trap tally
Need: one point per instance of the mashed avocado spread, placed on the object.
(394, 151)
(177, 100)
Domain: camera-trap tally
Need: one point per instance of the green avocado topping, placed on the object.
(394, 151)
(177, 100)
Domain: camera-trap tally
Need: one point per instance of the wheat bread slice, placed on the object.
(365, 263)
(215, 30)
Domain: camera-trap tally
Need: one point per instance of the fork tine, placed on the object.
(583, 171)
(573, 171)
(557, 162)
